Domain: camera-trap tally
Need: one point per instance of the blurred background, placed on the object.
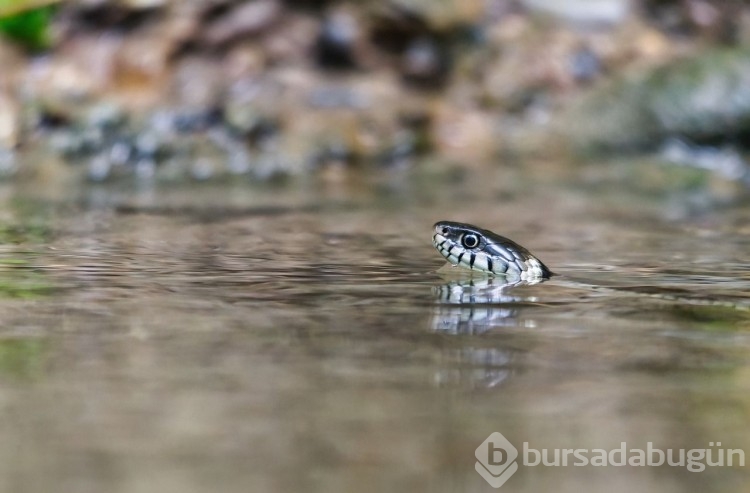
(215, 226)
(192, 91)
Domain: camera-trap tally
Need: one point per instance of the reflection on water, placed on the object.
(477, 367)
(318, 348)
(475, 306)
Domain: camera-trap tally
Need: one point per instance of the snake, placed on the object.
(482, 250)
(496, 256)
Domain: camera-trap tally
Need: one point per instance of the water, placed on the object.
(303, 337)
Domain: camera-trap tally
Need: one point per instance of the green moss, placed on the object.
(26, 22)
(22, 358)
(28, 285)
(705, 98)
(719, 317)
(19, 234)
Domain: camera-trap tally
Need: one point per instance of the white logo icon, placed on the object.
(496, 458)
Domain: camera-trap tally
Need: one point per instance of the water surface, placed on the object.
(303, 336)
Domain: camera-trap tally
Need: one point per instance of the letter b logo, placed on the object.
(496, 458)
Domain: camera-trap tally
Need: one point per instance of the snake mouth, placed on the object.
(458, 255)
(447, 248)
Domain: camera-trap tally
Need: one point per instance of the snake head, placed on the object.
(482, 250)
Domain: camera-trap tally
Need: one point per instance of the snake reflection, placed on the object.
(474, 307)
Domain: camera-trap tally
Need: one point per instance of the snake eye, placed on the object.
(444, 230)
(470, 240)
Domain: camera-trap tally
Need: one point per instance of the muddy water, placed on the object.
(301, 337)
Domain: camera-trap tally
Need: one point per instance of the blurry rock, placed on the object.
(705, 99)
(583, 12)
(703, 13)
(8, 162)
(232, 86)
(239, 160)
(9, 122)
(316, 115)
(439, 16)
(538, 63)
(99, 168)
(275, 163)
(670, 15)
(59, 88)
(144, 4)
(204, 168)
(142, 69)
(253, 104)
(121, 153)
(243, 20)
(198, 82)
(219, 155)
(243, 61)
(292, 41)
(126, 4)
(90, 132)
(337, 43)
(726, 161)
(715, 20)
(424, 62)
(145, 169)
(584, 65)
(131, 71)
(498, 10)
(105, 116)
(186, 119)
(146, 146)
(634, 46)
(359, 118)
(468, 137)
(13, 61)
(338, 96)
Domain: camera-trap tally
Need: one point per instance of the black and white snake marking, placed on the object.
(484, 251)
